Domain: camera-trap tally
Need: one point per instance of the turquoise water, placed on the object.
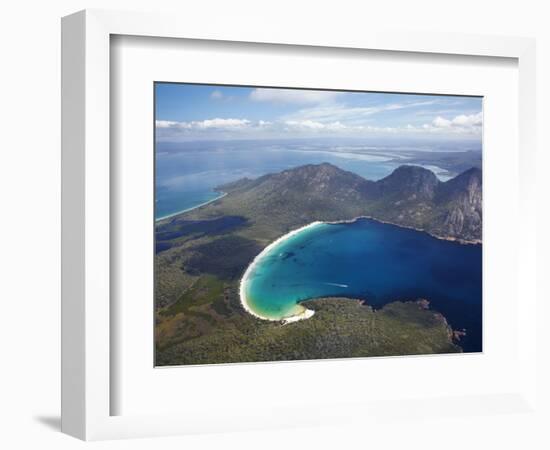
(376, 262)
(169, 203)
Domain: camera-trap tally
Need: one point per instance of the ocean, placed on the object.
(187, 174)
(375, 262)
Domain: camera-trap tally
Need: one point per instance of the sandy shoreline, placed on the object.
(223, 194)
(307, 313)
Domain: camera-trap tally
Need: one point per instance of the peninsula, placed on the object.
(203, 254)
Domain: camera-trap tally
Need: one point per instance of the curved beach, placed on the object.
(168, 216)
(299, 267)
(306, 313)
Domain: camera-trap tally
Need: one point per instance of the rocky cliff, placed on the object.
(410, 196)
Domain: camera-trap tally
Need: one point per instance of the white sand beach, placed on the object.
(305, 313)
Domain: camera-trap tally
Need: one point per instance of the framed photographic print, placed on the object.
(258, 221)
(312, 224)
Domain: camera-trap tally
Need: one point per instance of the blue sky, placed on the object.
(186, 112)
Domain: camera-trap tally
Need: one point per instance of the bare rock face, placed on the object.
(413, 196)
(410, 196)
(461, 200)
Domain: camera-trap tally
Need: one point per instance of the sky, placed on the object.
(189, 112)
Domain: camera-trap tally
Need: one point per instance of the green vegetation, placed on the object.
(340, 328)
(202, 254)
(206, 290)
(233, 254)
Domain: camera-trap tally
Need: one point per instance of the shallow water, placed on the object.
(188, 178)
(376, 262)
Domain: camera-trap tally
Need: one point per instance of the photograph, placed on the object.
(258, 225)
(308, 224)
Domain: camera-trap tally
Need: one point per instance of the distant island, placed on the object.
(202, 255)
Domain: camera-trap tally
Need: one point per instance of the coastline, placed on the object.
(409, 227)
(307, 313)
(223, 194)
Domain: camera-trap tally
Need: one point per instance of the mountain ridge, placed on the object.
(202, 254)
(410, 196)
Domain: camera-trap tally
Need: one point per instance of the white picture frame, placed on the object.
(86, 221)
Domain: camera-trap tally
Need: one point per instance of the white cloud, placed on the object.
(471, 120)
(221, 123)
(305, 124)
(440, 122)
(462, 123)
(312, 125)
(204, 124)
(339, 111)
(216, 95)
(227, 128)
(293, 96)
(165, 124)
(336, 126)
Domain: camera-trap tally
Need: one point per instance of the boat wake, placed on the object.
(337, 285)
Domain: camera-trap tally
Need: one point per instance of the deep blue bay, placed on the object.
(373, 261)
